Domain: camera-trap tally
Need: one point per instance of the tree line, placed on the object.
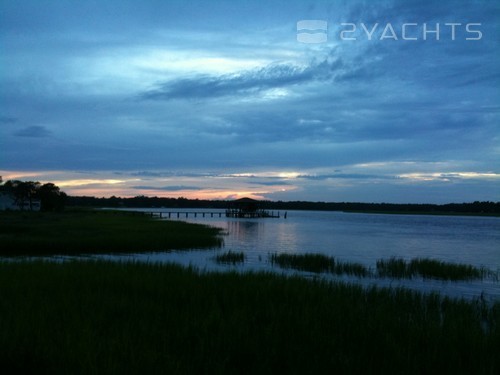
(51, 198)
(26, 195)
(477, 207)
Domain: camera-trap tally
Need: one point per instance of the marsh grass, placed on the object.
(351, 268)
(391, 268)
(230, 257)
(318, 263)
(429, 268)
(89, 231)
(113, 318)
(303, 262)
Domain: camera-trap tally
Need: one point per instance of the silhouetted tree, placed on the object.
(51, 197)
(24, 192)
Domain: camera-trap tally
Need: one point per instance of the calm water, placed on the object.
(362, 238)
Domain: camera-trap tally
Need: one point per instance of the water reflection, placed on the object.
(246, 231)
(258, 237)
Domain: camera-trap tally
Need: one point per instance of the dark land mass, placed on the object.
(474, 208)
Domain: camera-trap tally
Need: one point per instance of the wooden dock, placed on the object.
(252, 214)
(181, 214)
(204, 214)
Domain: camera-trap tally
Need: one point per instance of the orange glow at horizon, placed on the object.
(130, 193)
(103, 185)
(83, 182)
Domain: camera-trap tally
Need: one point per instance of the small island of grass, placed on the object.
(391, 268)
(318, 263)
(230, 257)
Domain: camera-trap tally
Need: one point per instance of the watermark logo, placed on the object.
(312, 31)
(316, 31)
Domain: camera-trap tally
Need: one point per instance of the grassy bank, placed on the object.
(77, 232)
(114, 318)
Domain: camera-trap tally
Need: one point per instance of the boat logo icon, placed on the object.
(312, 31)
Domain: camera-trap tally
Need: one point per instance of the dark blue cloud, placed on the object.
(7, 120)
(354, 176)
(279, 182)
(150, 174)
(34, 131)
(246, 83)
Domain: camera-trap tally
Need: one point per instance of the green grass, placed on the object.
(391, 268)
(230, 257)
(428, 268)
(77, 232)
(303, 262)
(318, 263)
(114, 318)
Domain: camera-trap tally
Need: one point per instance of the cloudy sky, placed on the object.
(222, 99)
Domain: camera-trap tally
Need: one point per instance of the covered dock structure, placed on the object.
(248, 208)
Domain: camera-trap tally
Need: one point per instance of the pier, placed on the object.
(181, 214)
(243, 208)
(204, 214)
(252, 214)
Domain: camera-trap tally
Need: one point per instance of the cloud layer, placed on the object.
(178, 96)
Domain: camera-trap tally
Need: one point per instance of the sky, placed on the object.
(382, 101)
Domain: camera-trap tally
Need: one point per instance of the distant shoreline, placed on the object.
(433, 213)
(463, 209)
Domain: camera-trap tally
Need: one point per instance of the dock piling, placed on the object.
(227, 213)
